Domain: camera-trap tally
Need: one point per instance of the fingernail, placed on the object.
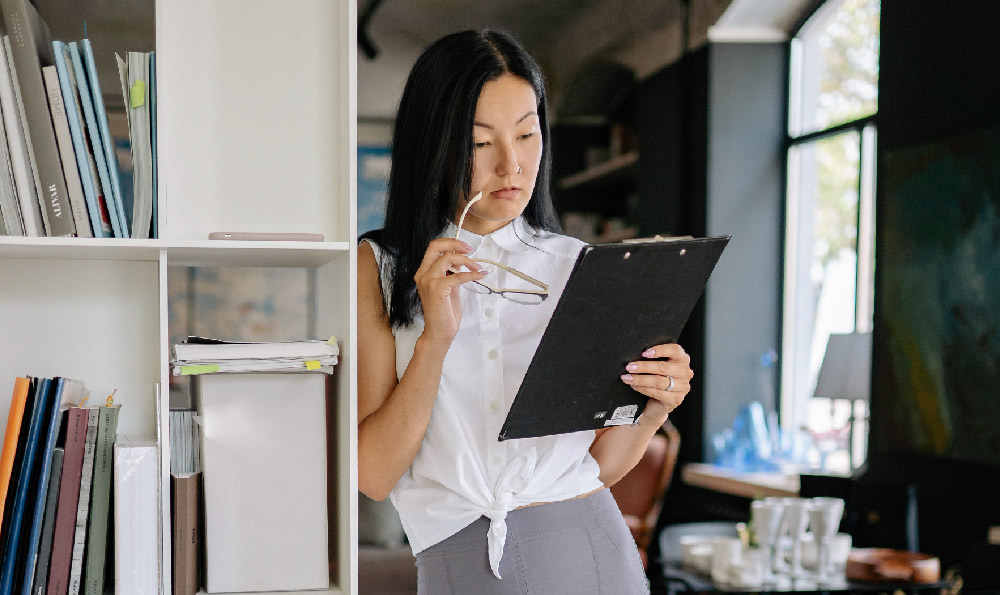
(627, 377)
(467, 247)
(632, 367)
(649, 353)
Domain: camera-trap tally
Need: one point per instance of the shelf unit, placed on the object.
(616, 169)
(256, 132)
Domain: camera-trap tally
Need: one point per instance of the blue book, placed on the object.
(90, 116)
(71, 99)
(48, 433)
(154, 231)
(106, 142)
(20, 516)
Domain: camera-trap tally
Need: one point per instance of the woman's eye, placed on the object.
(527, 136)
(482, 145)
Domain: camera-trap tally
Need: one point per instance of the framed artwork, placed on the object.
(936, 350)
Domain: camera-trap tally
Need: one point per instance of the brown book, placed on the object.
(185, 532)
(69, 496)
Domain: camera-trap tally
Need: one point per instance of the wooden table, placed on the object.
(743, 484)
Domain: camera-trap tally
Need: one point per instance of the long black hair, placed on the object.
(432, 152)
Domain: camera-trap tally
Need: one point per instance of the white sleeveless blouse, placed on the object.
(462, 472)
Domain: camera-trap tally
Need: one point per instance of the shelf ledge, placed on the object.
(179, 252)
(600, 172)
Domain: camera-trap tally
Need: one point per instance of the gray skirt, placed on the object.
(574, 547)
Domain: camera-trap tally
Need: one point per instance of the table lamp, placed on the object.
(846, 374)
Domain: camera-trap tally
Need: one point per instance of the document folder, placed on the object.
(620, 300)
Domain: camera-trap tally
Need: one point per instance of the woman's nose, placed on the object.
(508, 163)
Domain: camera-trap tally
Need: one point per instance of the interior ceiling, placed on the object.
(573, 38)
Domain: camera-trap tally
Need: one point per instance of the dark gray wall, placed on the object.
(746, 124)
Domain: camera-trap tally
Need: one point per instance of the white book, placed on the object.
(194, 351)
(83, 506)
(265, 487)
(67, 154)
(136, 517)
(134, 76)
(9, 207)
(20, 159)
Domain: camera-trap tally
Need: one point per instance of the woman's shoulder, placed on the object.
(557, 244)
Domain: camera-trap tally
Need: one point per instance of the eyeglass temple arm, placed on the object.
(461, 219)
(514, 272)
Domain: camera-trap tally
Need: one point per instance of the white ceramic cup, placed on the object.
(726, 551)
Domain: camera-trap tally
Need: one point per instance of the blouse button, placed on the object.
(495, 407)
(489, 312)
(493, 354)
(496, 460)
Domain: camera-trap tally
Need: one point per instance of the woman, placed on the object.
(445, 341)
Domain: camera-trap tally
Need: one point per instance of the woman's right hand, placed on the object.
(438, 287)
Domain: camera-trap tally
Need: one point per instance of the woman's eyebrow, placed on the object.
(519, 120)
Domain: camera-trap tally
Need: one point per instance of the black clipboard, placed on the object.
(620, 299)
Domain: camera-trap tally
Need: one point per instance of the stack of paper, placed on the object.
(198, 355)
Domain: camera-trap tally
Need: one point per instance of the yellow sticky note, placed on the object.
(137, 94)
(205, 369)
(312, 365)
(332, 341)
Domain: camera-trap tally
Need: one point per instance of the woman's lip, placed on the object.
(508, 192)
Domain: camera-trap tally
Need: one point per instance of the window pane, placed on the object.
(835, 70)
(821, 274)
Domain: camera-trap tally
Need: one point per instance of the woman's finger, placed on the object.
(678, 370)
(445, 265)
(443, 285)
(674, 384)
(673, 351)
(437, 248)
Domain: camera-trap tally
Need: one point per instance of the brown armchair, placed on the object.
(640, 493)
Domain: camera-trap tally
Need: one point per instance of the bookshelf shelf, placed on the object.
(256, 132)
(614, 169)
(182, 253)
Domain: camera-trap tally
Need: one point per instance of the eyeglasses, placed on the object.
(518, 296)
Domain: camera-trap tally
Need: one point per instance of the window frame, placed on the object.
(792, 409)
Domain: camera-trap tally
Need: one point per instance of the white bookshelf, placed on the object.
(256, 132)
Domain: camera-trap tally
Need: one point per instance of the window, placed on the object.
(829, 223)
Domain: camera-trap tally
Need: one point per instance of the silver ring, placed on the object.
(670, 386)
(519, 170)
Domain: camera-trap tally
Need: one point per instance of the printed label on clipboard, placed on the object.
(623, 415)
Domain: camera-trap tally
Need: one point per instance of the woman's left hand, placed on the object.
(666, 380)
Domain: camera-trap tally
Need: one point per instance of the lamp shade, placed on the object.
(846, 369)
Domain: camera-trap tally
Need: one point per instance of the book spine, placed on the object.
(24, 26)
(136, 514)
(100, 506)
(69, 493)
(20, 515)
(101, 115)
(83, 505)
(186, 536)
(20, 159)
(14, 417)
(48, 523)
(47, 444)
(99, 221)
(64, 142)
(107, 201)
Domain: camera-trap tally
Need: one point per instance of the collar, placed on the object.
(516, 236)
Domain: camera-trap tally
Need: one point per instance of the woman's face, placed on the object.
(507, 139)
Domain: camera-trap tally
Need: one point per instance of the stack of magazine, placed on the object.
(200, 355)
(60, 173)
